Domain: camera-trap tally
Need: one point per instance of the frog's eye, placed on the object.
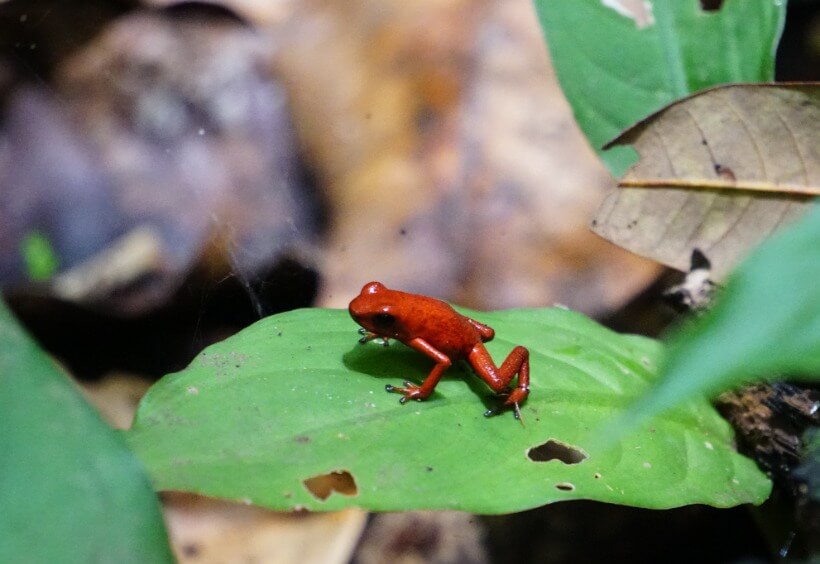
(383, 320)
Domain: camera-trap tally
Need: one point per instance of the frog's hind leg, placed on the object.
(484, 331)
(499, 377)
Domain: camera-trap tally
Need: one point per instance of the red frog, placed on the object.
(434, 328)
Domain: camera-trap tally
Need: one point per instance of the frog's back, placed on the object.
(437, 323)
(403, 316)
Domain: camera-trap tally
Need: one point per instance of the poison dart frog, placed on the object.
(435, 329)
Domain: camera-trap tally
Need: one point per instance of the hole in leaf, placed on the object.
(638, 11)
(565, 486)
(323, 485)
(711, 5)
(556, 450)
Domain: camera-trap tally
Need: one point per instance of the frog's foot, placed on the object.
(410, 391)
(512, 398)
(516, 396)
(368, 336)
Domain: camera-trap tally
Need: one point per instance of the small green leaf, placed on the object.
(765, 324)
(618, 61)
(38, 254)
(70, 491)
(263, 415)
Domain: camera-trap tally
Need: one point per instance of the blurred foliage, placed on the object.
(764, 325)
(70, 490)
(39, 257)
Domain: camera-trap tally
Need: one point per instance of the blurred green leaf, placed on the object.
(70, 491)
(38, 254)
(765, 324)
(619, 61)
(295, 397)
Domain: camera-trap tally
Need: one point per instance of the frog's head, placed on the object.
(372, 309)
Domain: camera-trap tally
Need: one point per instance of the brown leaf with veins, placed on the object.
(720, 171)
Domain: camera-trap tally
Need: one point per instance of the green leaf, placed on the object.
(618, 65)
(295, 396)
(70, 491)
(38, 254)
(765, 324)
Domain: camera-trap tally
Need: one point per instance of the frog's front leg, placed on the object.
(368, 336)
(411, 391)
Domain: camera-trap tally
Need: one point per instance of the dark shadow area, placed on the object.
(37, 35)
(798, 54)
(586, 531)
(395, 361)
(91, 343)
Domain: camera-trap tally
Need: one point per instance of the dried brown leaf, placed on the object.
(720, 171)
(451, 161)
(210, 531)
